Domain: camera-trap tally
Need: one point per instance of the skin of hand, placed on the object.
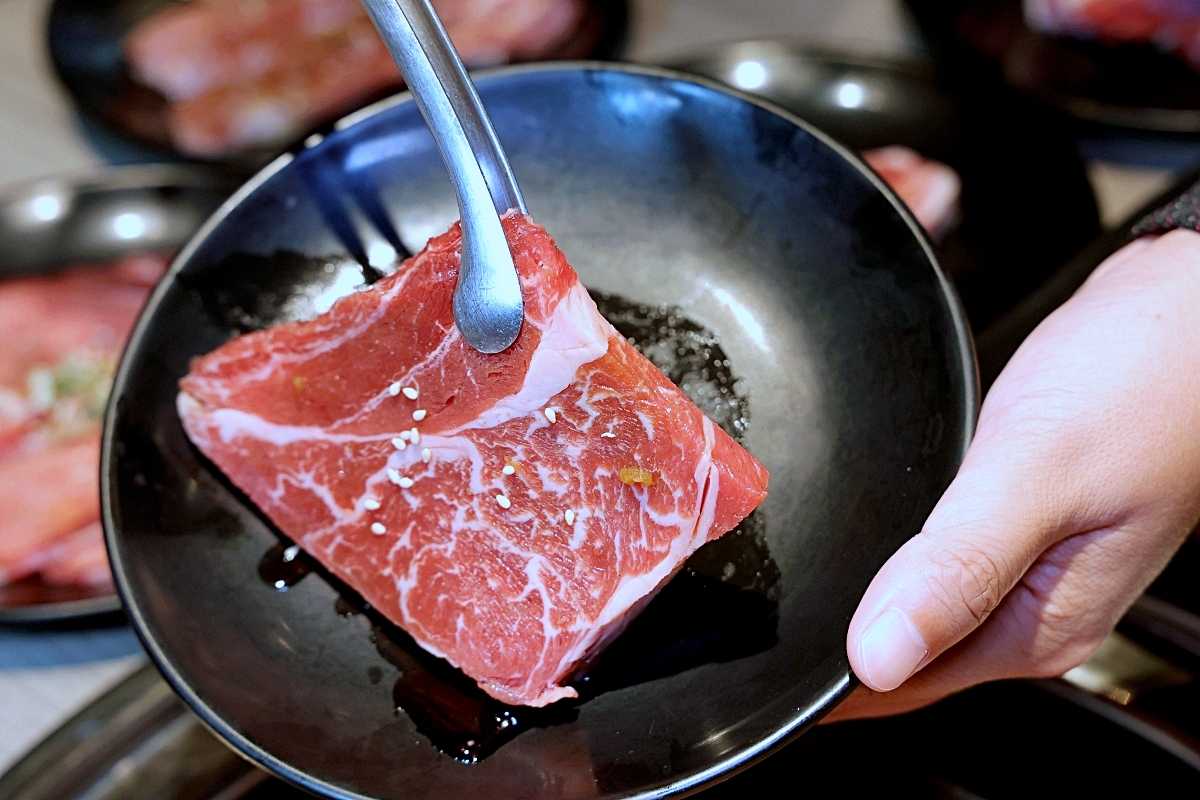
(1082, 481)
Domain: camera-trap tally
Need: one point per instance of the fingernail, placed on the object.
(890, 650)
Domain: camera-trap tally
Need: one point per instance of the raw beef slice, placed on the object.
(512, 512)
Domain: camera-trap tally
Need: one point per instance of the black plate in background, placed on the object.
(1129, 85)
(85, 38)
(659, 188)
(172, 202)
(1027, 205)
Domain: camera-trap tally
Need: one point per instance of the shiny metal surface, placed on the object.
(861, 101)
(57, 222)
(1018, 167)
(97, 217)
(663, 189)
(137, 741)
(140, 741)
(487, 300)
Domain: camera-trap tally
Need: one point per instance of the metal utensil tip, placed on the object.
(488, 307)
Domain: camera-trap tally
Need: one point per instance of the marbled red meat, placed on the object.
(512, 512)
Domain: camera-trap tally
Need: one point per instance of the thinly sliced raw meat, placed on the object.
(44, 318)
(929, 188)
(1170, 25)
(60, 336)
(80, 560)
(244, 74)
(187, 50)
(47, 496)
(335, 75)
(512, 512)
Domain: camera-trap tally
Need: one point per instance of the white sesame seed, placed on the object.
(398, 443)
(393, 476)
(405, 435)
(410, 392)
(371, 504)
(291, 553)
(608, 435)
(415, 436)
(509, 469)
(394, 389)
(378, 529)
(570, 517)
(503, 501)
(550, 415)
(426, 455)
(405, 483)
(419, 414)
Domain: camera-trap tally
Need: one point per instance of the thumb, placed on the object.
(1089, 428)
(945, 581)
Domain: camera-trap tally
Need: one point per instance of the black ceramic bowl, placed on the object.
(829, 306)
(59, 222)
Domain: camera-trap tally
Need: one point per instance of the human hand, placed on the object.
(1081, 482)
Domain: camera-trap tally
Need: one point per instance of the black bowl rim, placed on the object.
(98, 181)
(800, 721)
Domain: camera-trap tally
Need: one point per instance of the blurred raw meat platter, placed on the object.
(256, 73)
(61, 336)
(929, 188)
(1170, 25)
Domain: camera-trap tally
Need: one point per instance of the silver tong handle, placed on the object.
(488, 307)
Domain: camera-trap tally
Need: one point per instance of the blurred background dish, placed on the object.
(78, 257)
(1123, 64)
(237, 82)
(1026, 204)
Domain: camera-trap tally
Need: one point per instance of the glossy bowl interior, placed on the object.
(665, 190)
